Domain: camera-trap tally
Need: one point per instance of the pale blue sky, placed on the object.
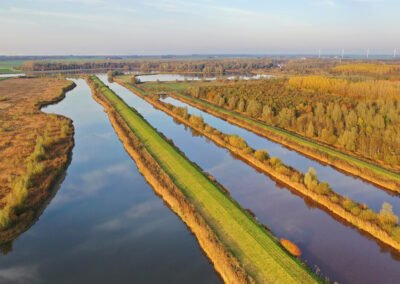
(198, 26)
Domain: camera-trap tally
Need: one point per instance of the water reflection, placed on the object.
(105, 225)
(339, 250)
(347, 185)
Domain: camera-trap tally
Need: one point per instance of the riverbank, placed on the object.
(35, 148)
(346, 163)
(227, 233)
(327, 198)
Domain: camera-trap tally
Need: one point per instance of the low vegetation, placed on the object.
(319, 119)
(255, 248)
(34, 147)
(357, 214)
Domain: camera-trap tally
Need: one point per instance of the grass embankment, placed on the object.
(367, 171)
(382, 226)
(240, 248)
(34, 150)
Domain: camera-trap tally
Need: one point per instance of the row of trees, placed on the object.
(369, 127)
(215, 66)
(385, 220)
(366, 89)
(376, 69)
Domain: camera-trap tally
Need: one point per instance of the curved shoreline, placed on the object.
(370, 228)
(40, 195)
(322, 157)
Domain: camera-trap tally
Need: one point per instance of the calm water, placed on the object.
(105, 224)
(179, 77)
(340, 251)
(346, 185)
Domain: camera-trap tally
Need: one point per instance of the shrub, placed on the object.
(386, 217)
(4, 219)
(248, 150)
(334, 199)
(355, 211)
(208, 129)
(181, 111)
(275, 162)
(291, 247)
(368, 215)
(261, 155)
(296, 177)
(196, 121)
(282, 169)
(396, 233)
(237, 142)
(217, 132)
(39, 151)
(323, 188)
(348, 204)
(310, 179)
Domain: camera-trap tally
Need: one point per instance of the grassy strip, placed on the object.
(353, 165)
(254, 247)
(382, 226)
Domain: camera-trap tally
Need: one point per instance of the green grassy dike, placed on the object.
(176, 88)
(255, 248)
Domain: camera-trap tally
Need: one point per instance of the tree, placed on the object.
(310, 129)
(267, 114)
(386, 216)
(254, 109)
(241, 106)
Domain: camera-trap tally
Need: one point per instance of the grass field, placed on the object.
(177, 87)
(9, 67)
(254, 247)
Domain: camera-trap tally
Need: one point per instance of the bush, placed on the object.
(310, 179)
(334, 199)
(296, 177)
(196, 121)
(237, 142)
(348, 204)
(4, 219)
(368, 215)
(355, 211)
(248, 150)
(217, 132)
(386, 217)
(261, 155)
(275, 162)
(208, 129)
(323, 188)
(282, 169)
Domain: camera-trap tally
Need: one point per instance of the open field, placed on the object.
(34, 149)
(343, 161)
(10, 66)
(259, 253)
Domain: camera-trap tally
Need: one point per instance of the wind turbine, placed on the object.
(394, 53)
(367, 53)
(319, 53)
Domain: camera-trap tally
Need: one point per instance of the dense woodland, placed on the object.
(361, 117)
(207, 66)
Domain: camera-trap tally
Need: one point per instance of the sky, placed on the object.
(151, 27)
